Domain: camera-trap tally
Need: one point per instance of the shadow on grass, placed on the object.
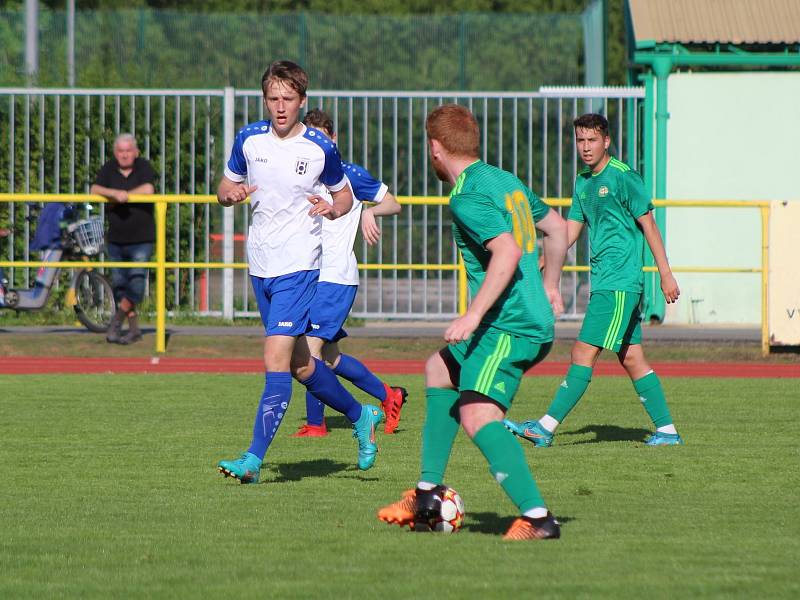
(608, 433)
(319, 467)
(493, 524)
(338, 422)
(342, 422)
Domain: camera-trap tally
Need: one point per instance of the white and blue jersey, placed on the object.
(338, 278)
(339, 264)
(283, 238)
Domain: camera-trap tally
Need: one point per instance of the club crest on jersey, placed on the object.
(603, 191)
(301, 166)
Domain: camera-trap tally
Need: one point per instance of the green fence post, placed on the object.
(662, 66)
(651, 290)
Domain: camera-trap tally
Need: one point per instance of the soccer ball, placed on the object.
(451, 512)
(447, 513)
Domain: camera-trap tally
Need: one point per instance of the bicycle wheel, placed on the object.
(94, 301)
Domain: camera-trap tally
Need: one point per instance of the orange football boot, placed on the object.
(400, 512)
(526, 528)
(395, 398)
(312, 431)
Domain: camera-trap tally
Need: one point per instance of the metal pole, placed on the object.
(71, 43)
(31, 41)
(765, 280)
(161, 277)
(227, 215)
(662, 67)
(462, 286)
(648, 171)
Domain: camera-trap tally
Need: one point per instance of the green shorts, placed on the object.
(613, 320)
(492, 363)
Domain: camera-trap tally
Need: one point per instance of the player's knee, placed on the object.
(584, 354)
(477, 411)
(471, 424)
(301, 372)
(631, 356)
(436, 373)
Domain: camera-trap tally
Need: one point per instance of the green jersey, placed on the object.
(609, 203)
(486, 202)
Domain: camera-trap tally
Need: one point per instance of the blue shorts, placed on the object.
(285, 301)
(332, 304)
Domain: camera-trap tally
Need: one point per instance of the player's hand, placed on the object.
(369, 228)
(554, 297)
(669, 286)
(322, 208)
(460, 329)
(121, 196)
(238, 194)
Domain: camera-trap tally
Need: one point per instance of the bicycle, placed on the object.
(90, 294)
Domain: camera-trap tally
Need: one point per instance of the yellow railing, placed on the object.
(160, 264)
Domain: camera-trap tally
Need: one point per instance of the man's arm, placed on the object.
(231, 192)
(505, 255)
(121, 196)
(555, 251)
(386, 207)
(669, 286)
(342, 203)
(574, 229)
(112, 194)
(145, 188)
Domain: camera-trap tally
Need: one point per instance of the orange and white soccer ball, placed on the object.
(450, 516)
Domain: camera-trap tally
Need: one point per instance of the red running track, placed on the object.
(21, 365)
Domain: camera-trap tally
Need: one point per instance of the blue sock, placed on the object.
(324, 385)
(273, 405)
(360, 376)
(315, 410)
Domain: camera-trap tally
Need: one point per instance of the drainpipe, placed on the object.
(662, 65)
(651, 290)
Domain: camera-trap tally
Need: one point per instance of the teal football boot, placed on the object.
(246, 468)
(531, 431)
(663, 439)
(364, 432)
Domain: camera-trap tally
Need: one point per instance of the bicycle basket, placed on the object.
(88, 234)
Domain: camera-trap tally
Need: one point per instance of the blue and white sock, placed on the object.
(325, 386)
(360, 376)
(315, 410)
(273, 405)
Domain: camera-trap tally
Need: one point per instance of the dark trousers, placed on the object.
(129, 283)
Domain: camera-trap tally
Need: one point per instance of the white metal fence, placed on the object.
(54, 140)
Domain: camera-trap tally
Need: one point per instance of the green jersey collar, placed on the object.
(460, 181)
(610, 158)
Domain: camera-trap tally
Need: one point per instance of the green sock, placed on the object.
(652, 396)
(438, 432)
(570, 391)
(507, 465)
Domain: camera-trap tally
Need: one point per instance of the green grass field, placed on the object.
(110, 490)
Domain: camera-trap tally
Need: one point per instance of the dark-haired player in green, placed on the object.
(507, 329)
(611, 200)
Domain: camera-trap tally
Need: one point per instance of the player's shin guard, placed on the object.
(438, 432)
(325, 386)
(273, 405)
(652, 397)
(507, 465)
(360, 376)
(570, 391)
